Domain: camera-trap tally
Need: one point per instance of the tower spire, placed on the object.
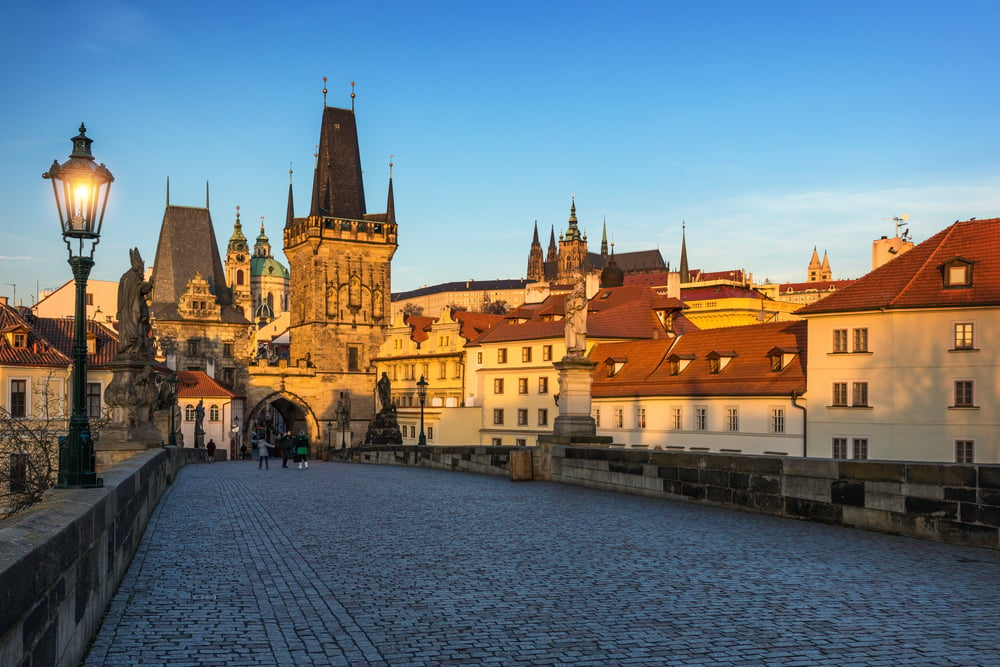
(390, 207)
(290, 211)
(604, 238)
(324, 92)
(352, 111)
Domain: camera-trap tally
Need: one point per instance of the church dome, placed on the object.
(267, 267)
(612, 276)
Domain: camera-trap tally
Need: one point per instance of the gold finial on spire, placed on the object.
(237, 214)
(324, 92)
(390, 166)
(262, 224)
(289, 173)
(352, 96)
(316, 158)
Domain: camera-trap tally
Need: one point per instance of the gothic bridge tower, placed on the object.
(339, 260)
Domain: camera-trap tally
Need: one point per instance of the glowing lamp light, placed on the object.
(81, 190)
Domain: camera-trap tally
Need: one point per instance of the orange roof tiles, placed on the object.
(648, 371)
(197, 384)
(914, 279)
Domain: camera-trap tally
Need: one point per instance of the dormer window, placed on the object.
(957, 273)
(678, 362)
(19, 339)
(781, 357)
(717, 361)
(615, 364)
(91, 343)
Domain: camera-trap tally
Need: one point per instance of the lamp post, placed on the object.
(422, 395)
(81, 190)
(172, 384)
(345, 420)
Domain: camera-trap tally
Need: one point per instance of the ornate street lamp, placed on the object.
(81, 190)
(345, 421)
(172, 384)
(422, 395)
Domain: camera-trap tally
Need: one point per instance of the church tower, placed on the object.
(238, 267)
(339, 259)
(572, 246)
(819, 271)
(536, 266)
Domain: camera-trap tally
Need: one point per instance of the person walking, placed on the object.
(263, 455)
(210, 447)
(302, 449)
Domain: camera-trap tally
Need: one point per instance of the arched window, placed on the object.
(213, 413)
(189, 413)
(270, 301)
(239, 277)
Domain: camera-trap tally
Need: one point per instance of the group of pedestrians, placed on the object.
(297, 450)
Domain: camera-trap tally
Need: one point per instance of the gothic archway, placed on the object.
(282, 411)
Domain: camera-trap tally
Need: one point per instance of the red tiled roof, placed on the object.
(720, 292)
(419, 326)
(914, 279)
(615, 312)
(473, 324)
(815, 286)
(37, 352)
(197, 384)
(749, 373)
(60, 331)
(658, 279)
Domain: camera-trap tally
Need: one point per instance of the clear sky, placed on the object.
(769, 127)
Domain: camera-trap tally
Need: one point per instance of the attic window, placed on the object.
(19, 339)
(957, 273)
(91, 343)
(615, 364)
(780, 357)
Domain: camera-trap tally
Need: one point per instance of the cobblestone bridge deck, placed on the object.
(353, 564)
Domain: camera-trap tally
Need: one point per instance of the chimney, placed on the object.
(3, 301)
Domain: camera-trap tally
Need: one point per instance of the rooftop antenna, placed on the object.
(900, 221)
(352, 97)
(324, 92)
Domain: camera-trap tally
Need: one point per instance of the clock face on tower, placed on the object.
(239, 258)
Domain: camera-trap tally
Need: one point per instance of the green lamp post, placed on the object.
(81, 190)
(422, 395)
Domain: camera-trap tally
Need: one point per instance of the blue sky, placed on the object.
(769, 127)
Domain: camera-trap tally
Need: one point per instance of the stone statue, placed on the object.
(134, 342)
(199, 417)
(576, 318)
(384, 392)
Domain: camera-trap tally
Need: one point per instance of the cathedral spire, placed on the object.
(604, 238)
(573, 233)
(552, 255)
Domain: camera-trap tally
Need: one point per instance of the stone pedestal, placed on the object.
(384, 429)
(575, 378)
(133, 396)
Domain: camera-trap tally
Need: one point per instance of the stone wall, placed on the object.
(61, 560)
(954, 503)
(470, 458)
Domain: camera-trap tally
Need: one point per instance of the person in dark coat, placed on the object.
(286, 448)
(210, 447)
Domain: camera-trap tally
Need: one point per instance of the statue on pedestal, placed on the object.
(576, 318)
(134, 342)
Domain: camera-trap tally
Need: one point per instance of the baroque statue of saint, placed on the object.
(134, 341)
(576, 318)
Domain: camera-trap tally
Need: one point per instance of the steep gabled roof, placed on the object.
(648, 371)
(914, 279)
(187, 246)
(59, 331)
(473, 324)
(419, 327)
(37, 351)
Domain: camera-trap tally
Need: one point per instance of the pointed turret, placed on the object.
(390, 206)
(237, 242)
(685, 273)
(290, 211)
(815, 268)
(604, 238)
(553, 252)
(573, 233)
(338, 189)
(262, 247)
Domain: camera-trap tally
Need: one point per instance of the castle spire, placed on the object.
(290, 211)
(604, 238)
(390, 206)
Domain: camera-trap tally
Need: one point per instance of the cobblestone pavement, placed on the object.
(347, 564)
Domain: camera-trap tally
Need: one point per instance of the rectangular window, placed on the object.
(430, 432)
(497, 442)
(861, 340)
(732, 419)
(522, 385)
(543, 417)
(442, 370)
(861, 448)
(963, 394)
(840, 393)
(525, 354)
(777, 420)
(546, 353)
(479, 358)
(498, 385)
(676, 421)
(502, 355)
(963, 336)
(776, 362)
(18, 398)
(840, 448)
(714, 366)
(18, 472)
(964, 451)
(597, 416)
(229, 376)
(354, 358)
(840, 340)
(521, 442)
(498, 415)
(543, 385)
(522, 417)
(860, 395)
(701, 419)
(94, 400)
(619, 417)
(192, 346)
(640, 418)
(227, 349)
